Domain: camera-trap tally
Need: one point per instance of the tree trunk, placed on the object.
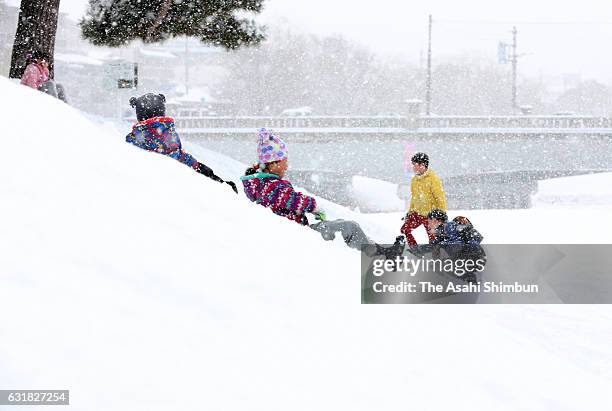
(163, 12)
(36, 30)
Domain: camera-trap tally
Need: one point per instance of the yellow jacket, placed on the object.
(426, 193)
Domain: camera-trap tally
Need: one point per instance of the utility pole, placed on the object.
(514, 64)
(428, 81)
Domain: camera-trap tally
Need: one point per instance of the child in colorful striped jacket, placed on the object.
(264, 184)
(269, 190)
(156, 132)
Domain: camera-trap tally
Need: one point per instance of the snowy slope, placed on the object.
(140, 285)
(586, 190)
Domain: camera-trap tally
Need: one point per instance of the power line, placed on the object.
(428, 83)
(509, 22)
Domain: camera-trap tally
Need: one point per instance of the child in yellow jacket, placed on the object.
(426, 194)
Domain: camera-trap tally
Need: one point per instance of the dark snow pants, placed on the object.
(351, 232)
(54, 89)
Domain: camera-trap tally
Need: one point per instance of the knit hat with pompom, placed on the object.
(270, 147)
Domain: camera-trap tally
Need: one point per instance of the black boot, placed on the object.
(396, 250)
(232, 185)
(208, 172)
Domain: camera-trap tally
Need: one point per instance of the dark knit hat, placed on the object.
(149, 105)
(437, 214)
(36, 55)
(420, 158)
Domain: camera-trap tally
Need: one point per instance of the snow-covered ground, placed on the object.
(568, 210)
(579, 191)
(575, 225)
(374, 194)
(140, 285)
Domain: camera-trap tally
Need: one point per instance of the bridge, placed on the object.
(469, 152)
(321, 127)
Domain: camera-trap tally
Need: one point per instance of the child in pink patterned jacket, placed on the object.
(37, 70)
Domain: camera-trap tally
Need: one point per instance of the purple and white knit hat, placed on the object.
(270, 148)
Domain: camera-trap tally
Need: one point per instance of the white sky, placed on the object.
(399, 27)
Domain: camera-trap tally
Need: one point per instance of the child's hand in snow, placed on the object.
(319, 214)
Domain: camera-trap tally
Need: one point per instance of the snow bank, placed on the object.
(376, 195)
(140, 285)
(585, 190)
(73, 58)
(561, 214)
(125, 268)
(561, 225)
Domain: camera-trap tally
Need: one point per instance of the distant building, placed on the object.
(8, 27)
(169, 68)
(198, 103)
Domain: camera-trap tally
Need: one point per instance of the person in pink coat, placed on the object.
(37, 71)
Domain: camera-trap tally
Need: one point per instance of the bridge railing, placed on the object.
(293, 122)
(408, 123)
(549, 122)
